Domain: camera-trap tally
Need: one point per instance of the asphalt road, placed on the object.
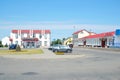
(95, 65)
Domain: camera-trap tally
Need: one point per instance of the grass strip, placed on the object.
(23, 51)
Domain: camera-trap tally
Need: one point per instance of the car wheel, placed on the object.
(68, 51)
(55, 51)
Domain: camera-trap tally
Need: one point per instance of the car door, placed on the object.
(62, 48)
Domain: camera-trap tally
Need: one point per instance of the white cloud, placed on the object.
(57, 26)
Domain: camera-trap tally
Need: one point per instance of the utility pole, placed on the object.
(73, 35)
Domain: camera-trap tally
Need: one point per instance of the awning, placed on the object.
(30, 39)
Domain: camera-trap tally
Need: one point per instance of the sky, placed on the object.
(62, 17)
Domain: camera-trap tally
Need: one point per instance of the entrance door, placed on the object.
(84, 43)
(103, 42)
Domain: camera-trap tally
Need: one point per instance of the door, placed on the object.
(103, 42)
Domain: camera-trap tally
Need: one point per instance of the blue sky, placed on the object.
(60, 16)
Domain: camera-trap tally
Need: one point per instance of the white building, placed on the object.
(6, 41)
(100, 40)
(31, 38)
(80, 34)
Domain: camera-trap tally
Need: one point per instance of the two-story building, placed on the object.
(31, 38)
(80, 34)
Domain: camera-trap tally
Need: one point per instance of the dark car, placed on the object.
(62, 48)
(71, 45)
(12, 46)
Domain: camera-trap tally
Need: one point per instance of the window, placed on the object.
(45, 35)
(45, 43)
(22, 35)
(40, 43)
(75, 36)
(16, 36)
(16, 42)
(33, 35)
(40, 36)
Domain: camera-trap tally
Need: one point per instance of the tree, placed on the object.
(58, 41)
(1, 44)
(18, 48)
(6, 45)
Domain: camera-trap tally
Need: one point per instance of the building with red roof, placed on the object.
(30, 38)
(80, 34)
(98, 40)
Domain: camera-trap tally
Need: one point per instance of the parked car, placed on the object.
(71, 45)
(62, 48)
(12, 46)
(51, 47)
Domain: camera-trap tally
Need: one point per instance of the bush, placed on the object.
(1, 45)
(6, 45)
(18, 48)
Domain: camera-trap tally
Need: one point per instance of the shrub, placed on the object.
(18, 48)
(1, 45)
(6, 45)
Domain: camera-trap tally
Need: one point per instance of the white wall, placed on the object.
(5, 41)
(83, 34)
(43, 39)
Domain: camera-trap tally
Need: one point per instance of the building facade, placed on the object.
(99, 40)
(68, 41)
(80, 34)
(6, 41)
(116, 39)
(31, 38)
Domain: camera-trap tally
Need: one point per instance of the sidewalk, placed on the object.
(47, 52)
(105, 49)
(46, 55)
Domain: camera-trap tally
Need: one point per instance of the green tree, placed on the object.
(58, 41)
(1, 44)
(6, 45)
(18, 48)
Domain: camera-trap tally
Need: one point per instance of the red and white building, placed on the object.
(80, 34)
(105, 39)
(30, 38)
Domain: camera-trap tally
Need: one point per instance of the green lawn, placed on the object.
(23, 51)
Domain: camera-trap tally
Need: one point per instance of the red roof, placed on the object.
(81, 31)
(101, 35)
(25, 31)
(14, 31)
(41, 31)
(34, 31)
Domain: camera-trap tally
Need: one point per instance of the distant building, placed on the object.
(116, 39)
(68, 41)
(30, 38)
(80, 34)
(6, 41)
(99, 40)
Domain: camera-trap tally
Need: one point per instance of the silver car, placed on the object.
(62, 48)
